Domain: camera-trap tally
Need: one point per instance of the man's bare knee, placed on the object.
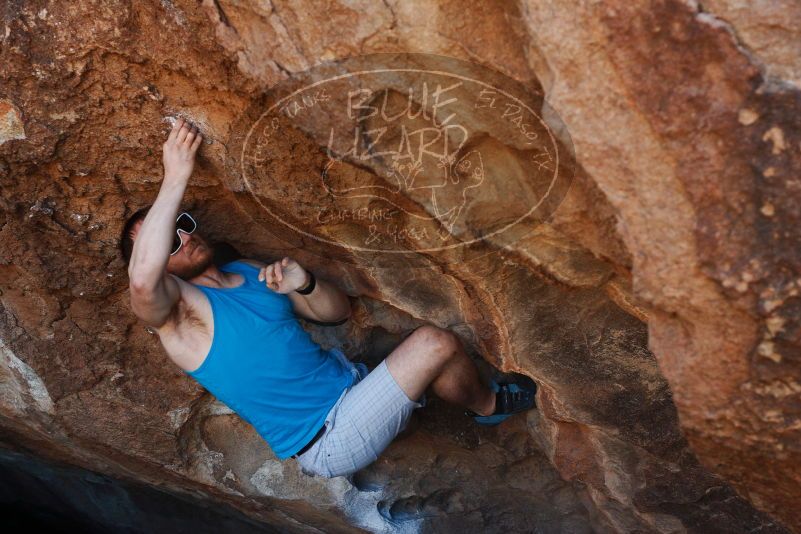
(421, 358)
(439, 342)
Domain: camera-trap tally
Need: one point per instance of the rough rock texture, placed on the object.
(769, 32)
(703, 174)
(658, 308)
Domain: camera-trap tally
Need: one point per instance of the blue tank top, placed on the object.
(265, 367)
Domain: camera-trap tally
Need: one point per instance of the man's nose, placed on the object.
(185, 238)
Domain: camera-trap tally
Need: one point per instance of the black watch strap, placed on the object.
(310, 287)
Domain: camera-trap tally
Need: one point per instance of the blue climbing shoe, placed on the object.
(509, 400)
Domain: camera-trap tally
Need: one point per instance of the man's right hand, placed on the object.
(179, 151)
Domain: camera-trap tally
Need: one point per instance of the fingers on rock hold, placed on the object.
(181, 134)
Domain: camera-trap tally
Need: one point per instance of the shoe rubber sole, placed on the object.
(526, 401)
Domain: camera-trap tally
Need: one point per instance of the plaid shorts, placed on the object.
(362, 423)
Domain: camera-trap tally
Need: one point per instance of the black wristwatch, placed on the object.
(310, 287)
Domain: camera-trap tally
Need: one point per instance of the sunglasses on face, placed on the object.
(184, 223)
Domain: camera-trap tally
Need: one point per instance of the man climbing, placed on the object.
(235, 330)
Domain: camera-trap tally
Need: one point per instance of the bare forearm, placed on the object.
(153, 241)
(327, 301)
(151, 250)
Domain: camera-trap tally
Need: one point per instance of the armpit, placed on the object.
(182, 314)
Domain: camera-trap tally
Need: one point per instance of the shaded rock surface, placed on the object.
(657, 308)
(59, 498)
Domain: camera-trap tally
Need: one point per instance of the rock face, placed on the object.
(657, 307)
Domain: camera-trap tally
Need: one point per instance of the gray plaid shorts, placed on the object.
(362, 423)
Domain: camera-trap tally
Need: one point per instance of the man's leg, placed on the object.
(378, 406)
(432, 356)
